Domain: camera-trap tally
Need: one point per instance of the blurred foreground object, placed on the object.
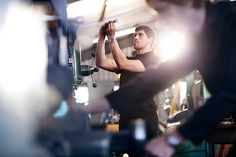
(24, 92)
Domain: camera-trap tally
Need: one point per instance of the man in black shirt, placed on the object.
(129, 67)
(213, 54)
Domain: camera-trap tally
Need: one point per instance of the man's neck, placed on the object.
(143, 51)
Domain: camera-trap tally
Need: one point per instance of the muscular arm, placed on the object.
(101, 60)
(121, 60)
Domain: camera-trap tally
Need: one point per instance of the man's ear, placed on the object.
(151, 38)
(152, 41)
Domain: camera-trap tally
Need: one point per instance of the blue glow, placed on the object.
(63, 109)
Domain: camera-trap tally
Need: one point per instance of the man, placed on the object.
(129, 67)
(214, 53)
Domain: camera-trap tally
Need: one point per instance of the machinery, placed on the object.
(70, 136)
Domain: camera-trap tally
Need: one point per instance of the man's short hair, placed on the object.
(148, 30)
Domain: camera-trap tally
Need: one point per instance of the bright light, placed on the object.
(23, 50)
(91, 10)
(171, 45)
(81, 8)
(63, 109)
(24, 92)
(81, 94)
(125, 155)
(116, 87)
(183, 90)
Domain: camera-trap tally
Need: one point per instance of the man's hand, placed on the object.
(159, 148)
(108, 29)
(101, 34)
(165, 146)
(111, 29)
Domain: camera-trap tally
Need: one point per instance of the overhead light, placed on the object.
(84, 8)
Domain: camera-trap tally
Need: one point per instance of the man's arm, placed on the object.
(121, 60)
(101, 60)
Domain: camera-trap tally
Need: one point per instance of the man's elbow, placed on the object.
(121, 66)
(101, 65)
(98, 64)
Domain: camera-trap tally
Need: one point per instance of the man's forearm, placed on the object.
(100, 52)
(117, 53)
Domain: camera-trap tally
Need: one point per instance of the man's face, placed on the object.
(141, 40)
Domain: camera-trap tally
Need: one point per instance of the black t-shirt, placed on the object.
(148, 59)
(147, 110)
